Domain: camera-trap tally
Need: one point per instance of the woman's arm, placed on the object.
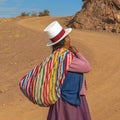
(79, 63)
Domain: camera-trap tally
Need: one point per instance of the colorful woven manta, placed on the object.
(42, 84)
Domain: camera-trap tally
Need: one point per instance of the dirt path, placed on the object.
(22, 46)
(20, 50)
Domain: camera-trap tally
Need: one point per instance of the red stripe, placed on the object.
(57, 37)
(46, 84)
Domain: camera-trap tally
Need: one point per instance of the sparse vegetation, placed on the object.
(35, 14)
(25, 14)
(44, 13)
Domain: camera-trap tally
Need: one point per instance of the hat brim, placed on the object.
(67, 31)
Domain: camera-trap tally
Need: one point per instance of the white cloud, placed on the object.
(3, 1)
(14, 11)
(8, 12)
(9, 9)
(14, 8)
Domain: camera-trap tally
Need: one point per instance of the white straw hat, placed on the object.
(56, 33)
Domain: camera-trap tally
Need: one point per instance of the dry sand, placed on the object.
(22, 46)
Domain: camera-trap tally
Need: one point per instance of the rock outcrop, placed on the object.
(98, 15)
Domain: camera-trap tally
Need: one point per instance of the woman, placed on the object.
(72, 105)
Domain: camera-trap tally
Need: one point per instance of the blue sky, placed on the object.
(11, 8)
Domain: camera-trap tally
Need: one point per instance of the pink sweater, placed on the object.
(80, 64)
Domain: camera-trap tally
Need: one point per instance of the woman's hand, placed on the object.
(73, 49)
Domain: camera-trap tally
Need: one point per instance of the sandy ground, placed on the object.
(23, 46)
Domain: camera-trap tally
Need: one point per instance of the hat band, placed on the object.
(57, 37)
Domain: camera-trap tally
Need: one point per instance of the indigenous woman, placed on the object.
(72, 104)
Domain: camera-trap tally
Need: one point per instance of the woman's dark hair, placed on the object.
(58, 45)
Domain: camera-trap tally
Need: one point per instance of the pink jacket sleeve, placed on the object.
(79, 64)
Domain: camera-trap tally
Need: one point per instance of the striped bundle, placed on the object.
(42, 84)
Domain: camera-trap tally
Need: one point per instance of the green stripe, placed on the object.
(41, 84)
(36, 84)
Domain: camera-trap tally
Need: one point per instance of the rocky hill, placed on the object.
(98, 15)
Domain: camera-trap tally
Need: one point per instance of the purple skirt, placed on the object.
(65, 111)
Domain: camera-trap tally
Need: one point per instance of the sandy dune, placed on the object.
(22, 46)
